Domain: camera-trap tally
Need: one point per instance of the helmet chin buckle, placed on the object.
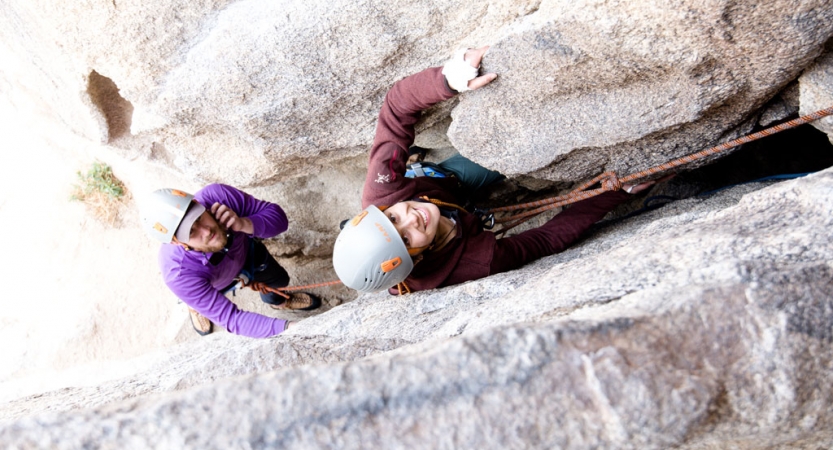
(391, 264)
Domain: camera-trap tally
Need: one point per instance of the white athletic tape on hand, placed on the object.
(458, 72)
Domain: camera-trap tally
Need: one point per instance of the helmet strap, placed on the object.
(418, 250)
(176, 241)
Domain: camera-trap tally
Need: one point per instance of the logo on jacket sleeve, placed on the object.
(382, 178)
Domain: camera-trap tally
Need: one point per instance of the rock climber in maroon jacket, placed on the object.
(411, 234)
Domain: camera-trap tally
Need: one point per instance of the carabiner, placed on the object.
(487, 220)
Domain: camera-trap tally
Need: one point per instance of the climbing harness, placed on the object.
(425, 169)
(609, 181)
(487, 219)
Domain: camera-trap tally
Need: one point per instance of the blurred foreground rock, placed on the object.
(706, 323)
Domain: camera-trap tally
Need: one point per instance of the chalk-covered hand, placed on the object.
(637, 188)
(461, 70)
(230, 220)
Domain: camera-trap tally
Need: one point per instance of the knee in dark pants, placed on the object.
(268, 271)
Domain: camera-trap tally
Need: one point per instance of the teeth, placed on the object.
(424, 217)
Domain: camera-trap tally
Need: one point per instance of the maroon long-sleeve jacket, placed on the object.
(474, 252)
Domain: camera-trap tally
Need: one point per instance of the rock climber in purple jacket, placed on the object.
(211, 240)
(411, 234)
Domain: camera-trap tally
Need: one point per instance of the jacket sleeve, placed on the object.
(395, 133)
(196, 291)
(555, 235)
(268, 219)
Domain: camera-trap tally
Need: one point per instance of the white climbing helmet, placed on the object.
(369, 254)
(165, 211)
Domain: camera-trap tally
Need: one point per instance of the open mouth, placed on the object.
(424, 216)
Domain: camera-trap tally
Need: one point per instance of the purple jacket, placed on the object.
(194, 280)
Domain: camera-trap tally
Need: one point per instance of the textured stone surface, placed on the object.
(257, 93)
(705, 323)
(254, 91)
(816, 92)
(625, 85)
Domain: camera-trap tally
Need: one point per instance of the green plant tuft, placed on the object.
(98, 179)
(101, 191)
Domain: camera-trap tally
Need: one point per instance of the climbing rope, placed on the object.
(264, 289)
(403, 287)
(609, 181)
(442, 203)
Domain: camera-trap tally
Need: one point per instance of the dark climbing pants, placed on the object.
(266, 270)
(472, 176)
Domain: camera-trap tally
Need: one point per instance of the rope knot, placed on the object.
(257, 287)
(611, 181)
(265, 289)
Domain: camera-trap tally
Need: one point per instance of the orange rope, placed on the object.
(733, 143)
(263, 288)
(442, 203)
(609, 181)
(402, 284)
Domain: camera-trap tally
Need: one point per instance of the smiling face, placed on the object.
(206, 234)
(416, 222)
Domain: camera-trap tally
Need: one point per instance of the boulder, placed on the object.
(252, 92)
(815, 91)
(592, 86)
(703, 324)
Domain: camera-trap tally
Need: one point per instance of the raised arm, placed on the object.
(265, 219)
(400, 111)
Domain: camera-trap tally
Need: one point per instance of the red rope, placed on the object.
(609, 181)
(262, 288)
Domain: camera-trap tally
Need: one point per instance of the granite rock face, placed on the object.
(252, 92)
(705, 324)
(816, 92)
(260, 93)
(595, 86)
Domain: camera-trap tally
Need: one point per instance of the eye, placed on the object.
(392, 218)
